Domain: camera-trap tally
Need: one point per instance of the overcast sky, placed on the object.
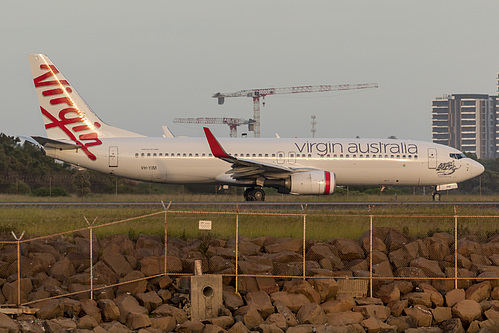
(139, 64)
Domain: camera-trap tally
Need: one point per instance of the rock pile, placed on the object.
(54, 267)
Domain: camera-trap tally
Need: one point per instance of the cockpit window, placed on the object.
(457, 156)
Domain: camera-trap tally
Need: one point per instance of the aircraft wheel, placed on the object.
(248, 194)
(258, 194)
(436, 196)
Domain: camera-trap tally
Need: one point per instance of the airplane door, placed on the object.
(292, 157)
(432, 158)
(113, 157)
(280, 157)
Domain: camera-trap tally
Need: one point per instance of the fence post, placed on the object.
(18, 239)
(455, 247)
(166, 230)
(371, 208)
(91, 236)
(304, 209)
(237, 246)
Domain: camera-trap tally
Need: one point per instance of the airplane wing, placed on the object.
(243, 168)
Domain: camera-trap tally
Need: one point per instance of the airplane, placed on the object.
(313, 166)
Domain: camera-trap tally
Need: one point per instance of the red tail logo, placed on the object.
(68, 115)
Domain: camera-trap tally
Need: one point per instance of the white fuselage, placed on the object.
(353, 161)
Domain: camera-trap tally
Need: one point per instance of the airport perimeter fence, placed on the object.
(251, 249)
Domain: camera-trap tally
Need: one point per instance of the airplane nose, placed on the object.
(476, 168)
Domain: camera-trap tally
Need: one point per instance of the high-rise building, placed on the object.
(468, 122)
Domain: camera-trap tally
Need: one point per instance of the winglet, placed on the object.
(216, 148)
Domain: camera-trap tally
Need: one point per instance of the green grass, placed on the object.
(254, 221)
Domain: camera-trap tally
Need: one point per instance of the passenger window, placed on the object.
(136, 155)
(154, 154)
(266, 155)
(148, 154)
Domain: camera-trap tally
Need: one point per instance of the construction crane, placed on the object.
(256, 94)
(232, 122)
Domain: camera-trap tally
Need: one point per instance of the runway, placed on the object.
(318, 205)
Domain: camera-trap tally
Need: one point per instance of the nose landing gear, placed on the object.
(436, 195)
(254, 194)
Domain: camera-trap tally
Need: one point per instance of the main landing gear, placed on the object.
(254, 194)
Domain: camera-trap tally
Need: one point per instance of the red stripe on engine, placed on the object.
(328, 182)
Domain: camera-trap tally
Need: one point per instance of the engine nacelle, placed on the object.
(313, 182)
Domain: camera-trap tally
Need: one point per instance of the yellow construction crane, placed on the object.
(232, 122)
(256, 94)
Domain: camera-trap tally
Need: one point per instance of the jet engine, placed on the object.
(312, 182)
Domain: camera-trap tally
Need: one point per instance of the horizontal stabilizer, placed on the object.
(57, 144)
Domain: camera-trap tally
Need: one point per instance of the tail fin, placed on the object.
(66, 114)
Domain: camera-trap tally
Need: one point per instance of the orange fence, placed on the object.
(449, 251)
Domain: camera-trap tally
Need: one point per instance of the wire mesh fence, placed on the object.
(259, 248)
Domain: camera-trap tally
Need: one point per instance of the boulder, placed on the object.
(89, 307)
(149, 300)
(168, 310)
(374, 325)
(126, 304)
(304, 288)
(285, 244)
(109, 310)
(339, 304)
(467, 310)
(348, 249)
(293, 301)
(283, 310)
(452, 325)
(251, 317)
(479, 292)
(164, 324)
(441, 314)
(133, 287)
(277, 319)
(430, 268)
(117, 263)
(421, 314)
(327, 288)
(344, 318)
(261, 301)
(7, 324)
(454, 296)
(137, 320)
(311, 314)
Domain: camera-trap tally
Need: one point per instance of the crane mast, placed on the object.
(256, 94)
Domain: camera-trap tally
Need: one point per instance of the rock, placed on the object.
(311, 314)
(261, 301)
(467, 310)
(87, 323)
(133, 287)
(327, 288)
(419, 298)
(126, 304)
(277, 319)
(109, 310)
(164, 324)
(421, 314)
(379, 311)
(293, 301)
(251, 317)
(383, 269)
(232, 301)
(283, 310)
(453, 325)
(49, 309)
(137, 320)
(149, 300)
(388, 293)
(62, 269)
(103, 273)
(348, 249)
(168, 310)
(344, 318)
(219, 264)
(436, 297)
(454, 296)
(8, 325)
(430, 268)
(438, 248)
(374, 325)
(114, 327)
(213, 329)
(304, 288)
(224, 322)
(89, 307)
(402, 323)
(479, 292)
(441, 314)
(117, 263)
(238, 328)
(340, 304)
(397, 307)
(285, 244)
